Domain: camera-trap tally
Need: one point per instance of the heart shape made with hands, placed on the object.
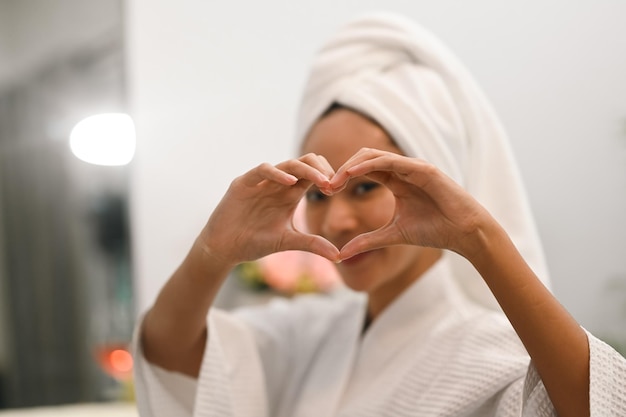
(360, 243)
(255, 217)
(430, 208)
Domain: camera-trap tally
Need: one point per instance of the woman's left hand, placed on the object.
(431, 209)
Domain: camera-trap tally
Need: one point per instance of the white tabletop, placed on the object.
(76, 410)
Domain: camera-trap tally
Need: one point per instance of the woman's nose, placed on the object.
(340, 218)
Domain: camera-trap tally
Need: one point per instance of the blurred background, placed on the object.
(212, 89)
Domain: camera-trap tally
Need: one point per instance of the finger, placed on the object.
(413, 170)
(343, 174)
(266, 171)
(304, 171)
(319, 162)
(311, 243)
(386, 236)
(316, 169)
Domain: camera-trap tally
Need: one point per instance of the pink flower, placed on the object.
(297, 271)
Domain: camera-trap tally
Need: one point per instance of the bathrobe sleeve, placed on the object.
(159, 392)
(607, 389)
(254, 360)
(231, 381)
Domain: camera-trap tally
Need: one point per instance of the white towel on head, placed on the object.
(400, 75)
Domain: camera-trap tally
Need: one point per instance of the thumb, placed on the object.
(375, 239)
(311, 243)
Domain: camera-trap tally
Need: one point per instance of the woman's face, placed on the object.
(361, 207)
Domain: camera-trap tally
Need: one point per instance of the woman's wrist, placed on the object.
(479, 243)
(204, 261)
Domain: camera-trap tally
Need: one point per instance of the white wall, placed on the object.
(215, 86)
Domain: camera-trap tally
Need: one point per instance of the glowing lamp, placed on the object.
(104, 139)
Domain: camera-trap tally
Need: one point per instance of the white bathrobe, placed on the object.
(431, 353)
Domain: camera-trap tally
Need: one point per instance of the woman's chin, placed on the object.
(357, 283)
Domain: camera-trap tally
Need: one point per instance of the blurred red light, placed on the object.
(121, 360)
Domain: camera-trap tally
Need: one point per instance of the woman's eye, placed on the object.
(365, 187)
(313, 196)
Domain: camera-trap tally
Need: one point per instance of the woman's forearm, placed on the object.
(556, 343)
(173, 332)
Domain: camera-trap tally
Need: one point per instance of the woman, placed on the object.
(407, 176)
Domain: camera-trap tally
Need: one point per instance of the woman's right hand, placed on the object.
(255, 216)
(253, 219)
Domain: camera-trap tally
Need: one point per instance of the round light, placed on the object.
(121, 361)
(104, 139)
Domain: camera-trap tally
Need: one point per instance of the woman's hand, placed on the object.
(431, 209)
(253, 219)
(255, 216)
